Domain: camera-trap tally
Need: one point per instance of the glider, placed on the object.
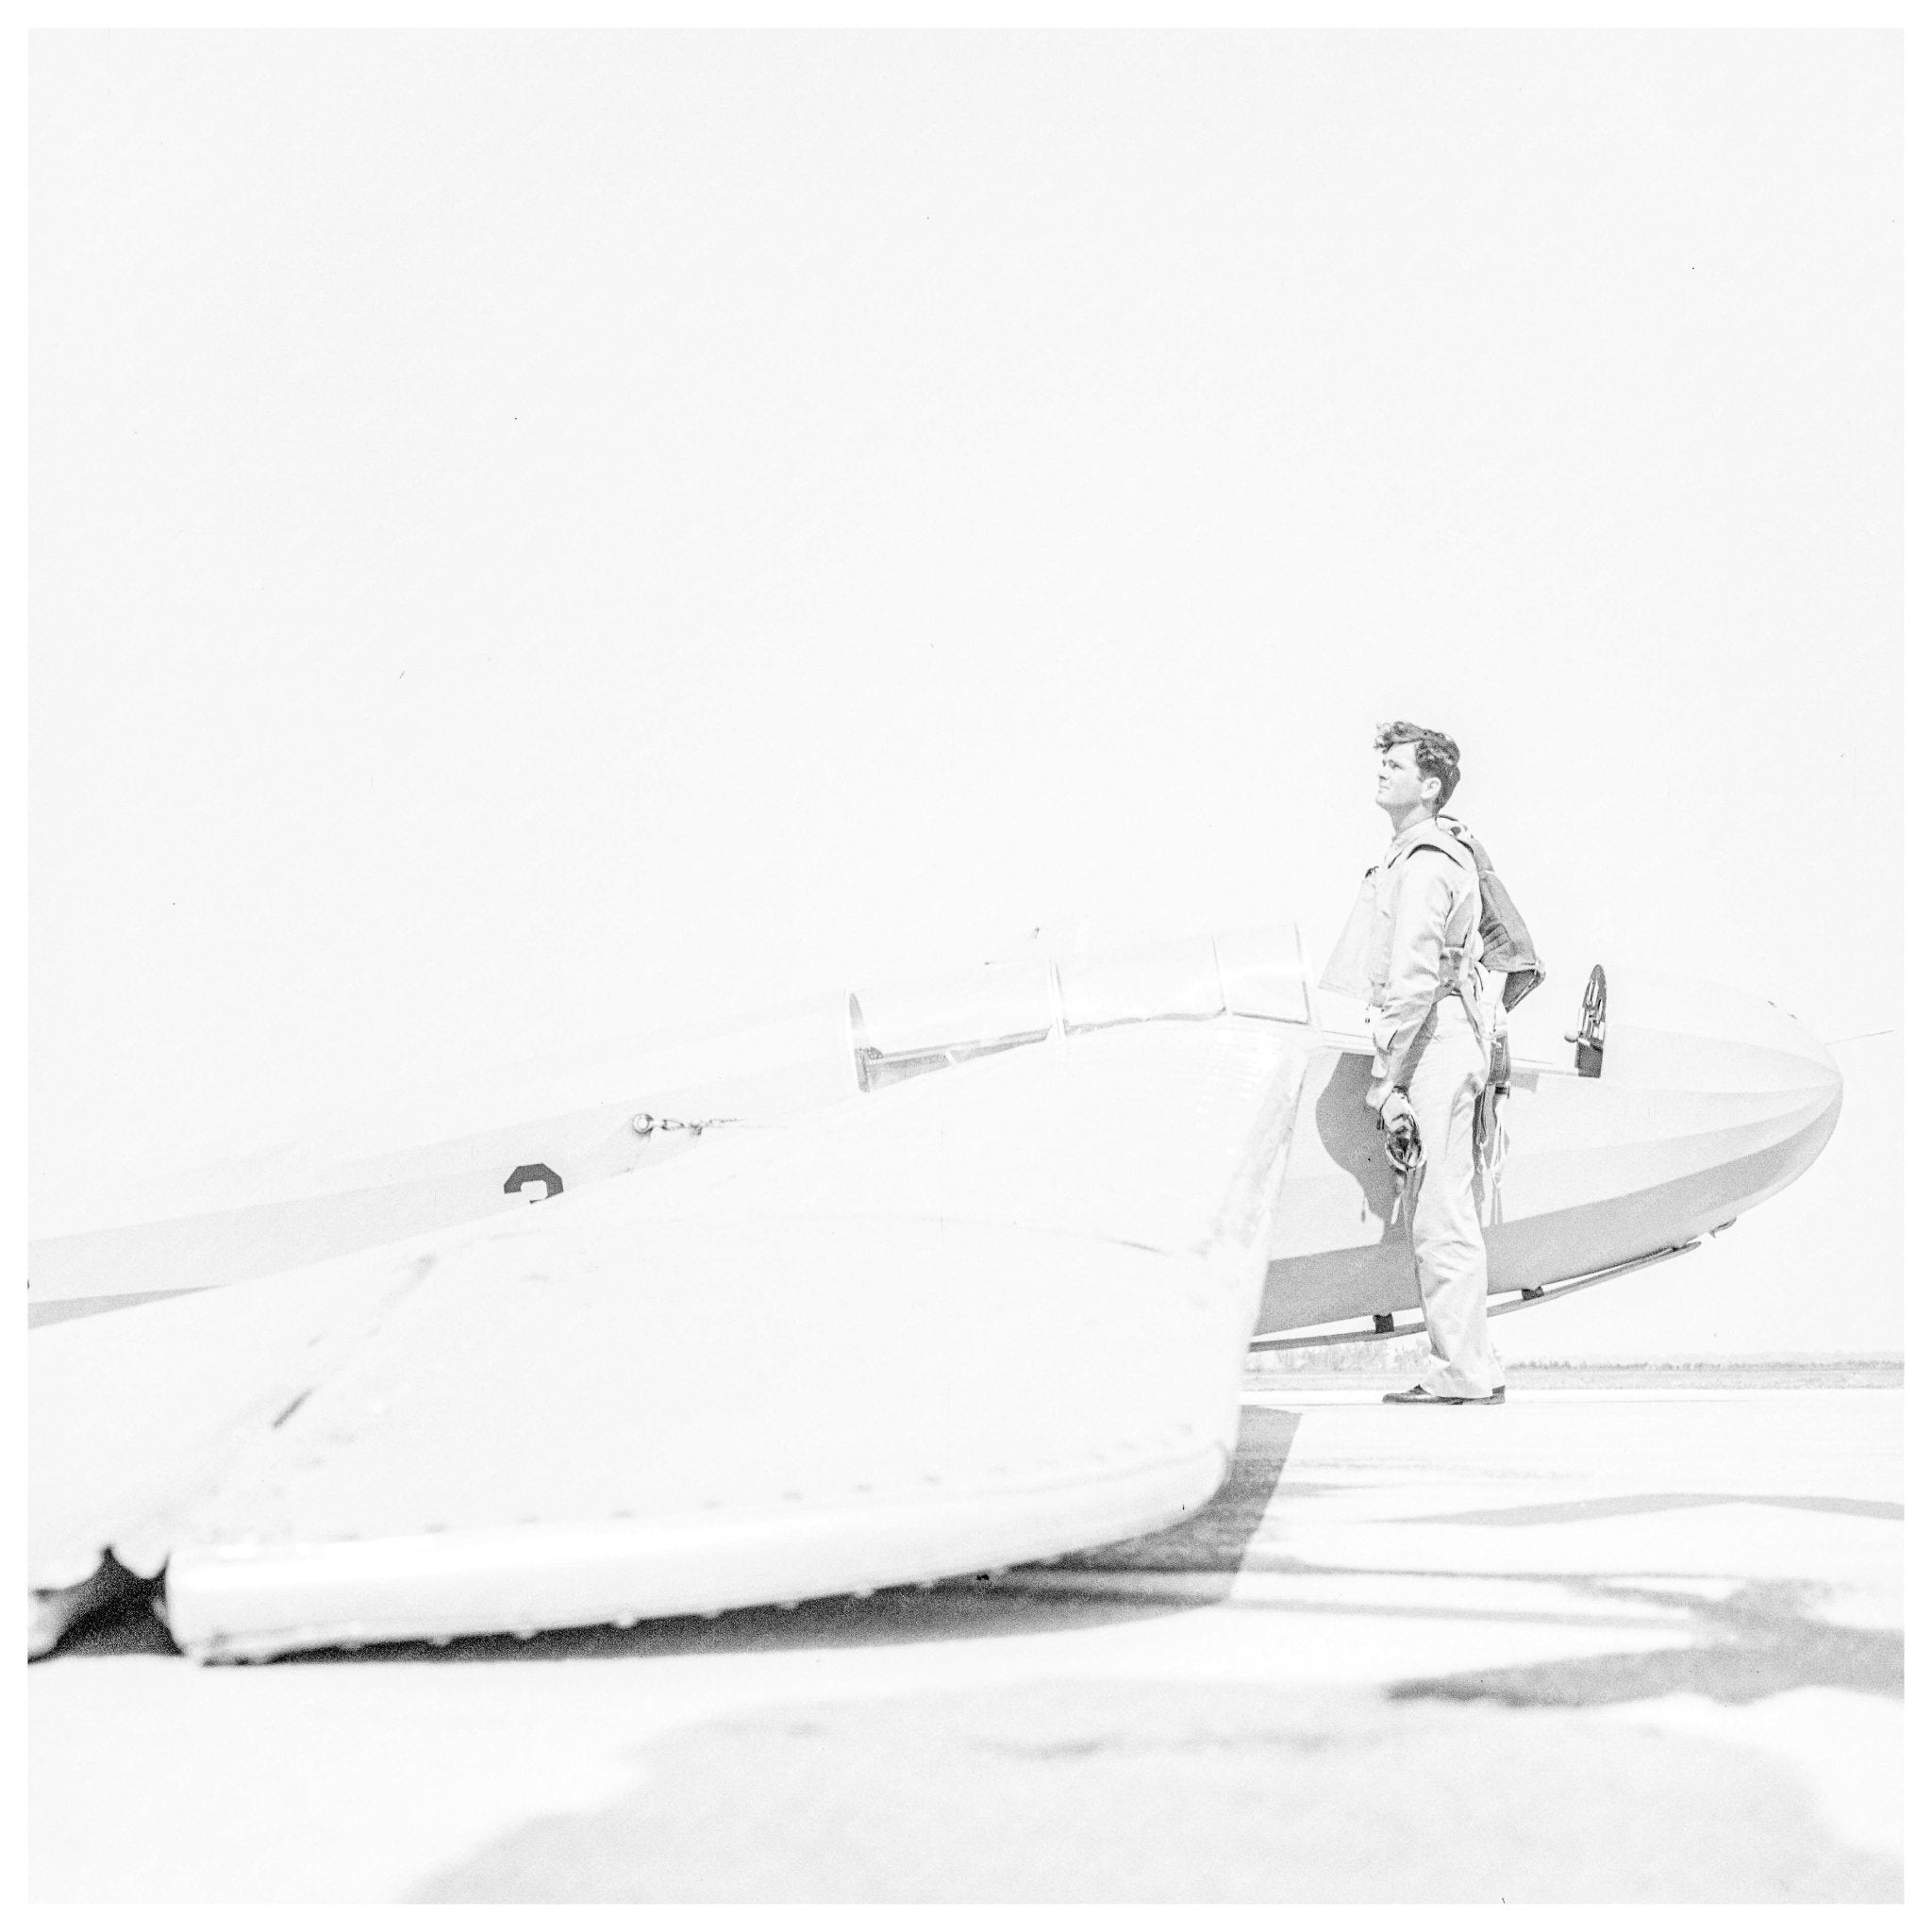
(889, 1286)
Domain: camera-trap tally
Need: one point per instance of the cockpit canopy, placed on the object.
(917, 1027)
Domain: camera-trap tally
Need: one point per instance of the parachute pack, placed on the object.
(1507, 947)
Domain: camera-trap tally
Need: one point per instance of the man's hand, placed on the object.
(1402, 1138)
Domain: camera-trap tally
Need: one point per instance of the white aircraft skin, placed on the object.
(884, 1287)
(1709, 1101)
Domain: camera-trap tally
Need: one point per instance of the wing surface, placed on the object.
(980, 1319)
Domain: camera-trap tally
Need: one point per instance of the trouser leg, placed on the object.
(1451, 1264)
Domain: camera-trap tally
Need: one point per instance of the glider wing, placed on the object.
(980, 1319)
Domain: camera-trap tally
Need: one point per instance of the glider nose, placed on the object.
(1692, 1034)
(1704, 1102)
(1725, 1068)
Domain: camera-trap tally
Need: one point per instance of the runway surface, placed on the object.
(1602, 1643)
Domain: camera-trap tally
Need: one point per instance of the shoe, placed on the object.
(1421, 1394)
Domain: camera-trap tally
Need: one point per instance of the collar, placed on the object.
(1439, 833)
(1403, 841)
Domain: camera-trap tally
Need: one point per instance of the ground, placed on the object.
(1603, 1644)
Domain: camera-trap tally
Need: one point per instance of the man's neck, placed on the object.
(1407, 820)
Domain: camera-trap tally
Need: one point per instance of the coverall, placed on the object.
(1422, 940)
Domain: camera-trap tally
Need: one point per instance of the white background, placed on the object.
(535, 539)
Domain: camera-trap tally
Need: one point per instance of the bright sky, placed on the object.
(535, 539)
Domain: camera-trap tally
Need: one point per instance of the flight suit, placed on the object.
(1425, 1019)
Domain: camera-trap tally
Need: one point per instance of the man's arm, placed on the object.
(1425, 894)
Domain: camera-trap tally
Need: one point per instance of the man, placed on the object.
(1432, 1053)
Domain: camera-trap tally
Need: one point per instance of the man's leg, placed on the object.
(1451, 1264)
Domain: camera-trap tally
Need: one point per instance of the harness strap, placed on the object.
(1457, 977)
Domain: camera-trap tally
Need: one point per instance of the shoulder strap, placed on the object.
(1448, 845)
(1507, 947)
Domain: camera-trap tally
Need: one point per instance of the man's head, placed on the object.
(1419, 769)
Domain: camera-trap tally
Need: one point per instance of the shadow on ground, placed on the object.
(1762, 1640)
(1600, 1508)
(1180, 1791)
(1757, 1642)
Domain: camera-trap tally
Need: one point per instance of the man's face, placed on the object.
(1399, 786)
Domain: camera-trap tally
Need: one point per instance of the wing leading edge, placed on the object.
(971, 1322)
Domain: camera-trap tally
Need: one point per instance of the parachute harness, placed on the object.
(1491, 1149)
(1402, 1141)
(1492, 1136)
(1500, 942)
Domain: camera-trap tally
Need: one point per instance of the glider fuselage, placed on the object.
(1707, 1102)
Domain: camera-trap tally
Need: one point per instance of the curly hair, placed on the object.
(1436, 756)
